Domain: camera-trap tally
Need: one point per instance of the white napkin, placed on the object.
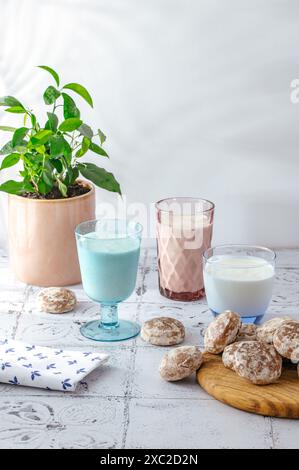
(42, 367)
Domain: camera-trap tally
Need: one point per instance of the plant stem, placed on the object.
(34, 183)
(76, 146)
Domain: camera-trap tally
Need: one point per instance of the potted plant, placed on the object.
(49, 200)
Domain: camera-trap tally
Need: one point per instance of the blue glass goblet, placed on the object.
(108, 251)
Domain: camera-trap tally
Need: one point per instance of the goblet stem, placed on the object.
(109, 316)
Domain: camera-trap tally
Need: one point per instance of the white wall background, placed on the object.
(194, 96)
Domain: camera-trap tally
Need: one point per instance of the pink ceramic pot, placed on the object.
(42, 239)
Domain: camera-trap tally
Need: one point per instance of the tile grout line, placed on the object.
(128, 389)
(72, 396)
(270, 420)
(19, 314)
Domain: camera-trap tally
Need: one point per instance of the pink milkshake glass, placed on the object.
(184, 232)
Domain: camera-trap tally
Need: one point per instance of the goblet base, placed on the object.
(123, 330)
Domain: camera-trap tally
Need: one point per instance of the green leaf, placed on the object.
(16, 187)
(28, 159)
(67, 152)
(70, 124)
(41, 137)
(51, 94)
(81, 90)
(62, 188)
(56, 143)
(101, 136)
(85, 130)
(7, 148)
(33, 120)
(71, 175)
(19, 135)
(42, 187)
(7, 128)
(100, 177)
(16, 110)
(52, 72)
(40, 149)
(10, 160)
(21, 148)
(10, 101)
(57, 164)
(84, 147)
(70, 109)
(52, 122)
(75, 174)
(48, 179)
(97, 149)
(48, 166)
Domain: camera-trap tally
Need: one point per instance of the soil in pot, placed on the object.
(76, 189)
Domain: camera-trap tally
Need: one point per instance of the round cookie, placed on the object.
(228, 355)
(222, 331)
(286, 340)
(247, 332)
(180, 363)
(266, 331)
(256, 361)
(56, 300)
(163, 331)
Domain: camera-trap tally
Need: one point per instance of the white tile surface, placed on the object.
(125, 403)
(52, 422)
(184, 423)
(286, 434)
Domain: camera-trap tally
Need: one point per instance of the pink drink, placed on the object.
(184, 232)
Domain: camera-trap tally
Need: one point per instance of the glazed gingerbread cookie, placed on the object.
(229, 355)
(222, 331)
(266, 331)
(56, 300)
(247, 332)
(163, 331)
(255, 361)
(180, 363)
(286, 340)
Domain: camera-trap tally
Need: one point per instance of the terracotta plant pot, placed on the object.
(42, 239)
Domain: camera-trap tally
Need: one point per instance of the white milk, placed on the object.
(239, 283)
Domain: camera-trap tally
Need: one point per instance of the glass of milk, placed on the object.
(108, 251)
(239, 278)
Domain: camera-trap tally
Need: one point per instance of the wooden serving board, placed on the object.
(280, 399)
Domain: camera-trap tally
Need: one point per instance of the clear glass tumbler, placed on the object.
(239, 278)
(184, 232)
(108, 251)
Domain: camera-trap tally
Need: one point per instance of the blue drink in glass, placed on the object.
(108, 251)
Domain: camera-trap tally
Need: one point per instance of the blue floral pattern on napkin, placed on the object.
(43, 367)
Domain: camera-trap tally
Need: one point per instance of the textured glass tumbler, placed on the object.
(184, 232)
(108, 251)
